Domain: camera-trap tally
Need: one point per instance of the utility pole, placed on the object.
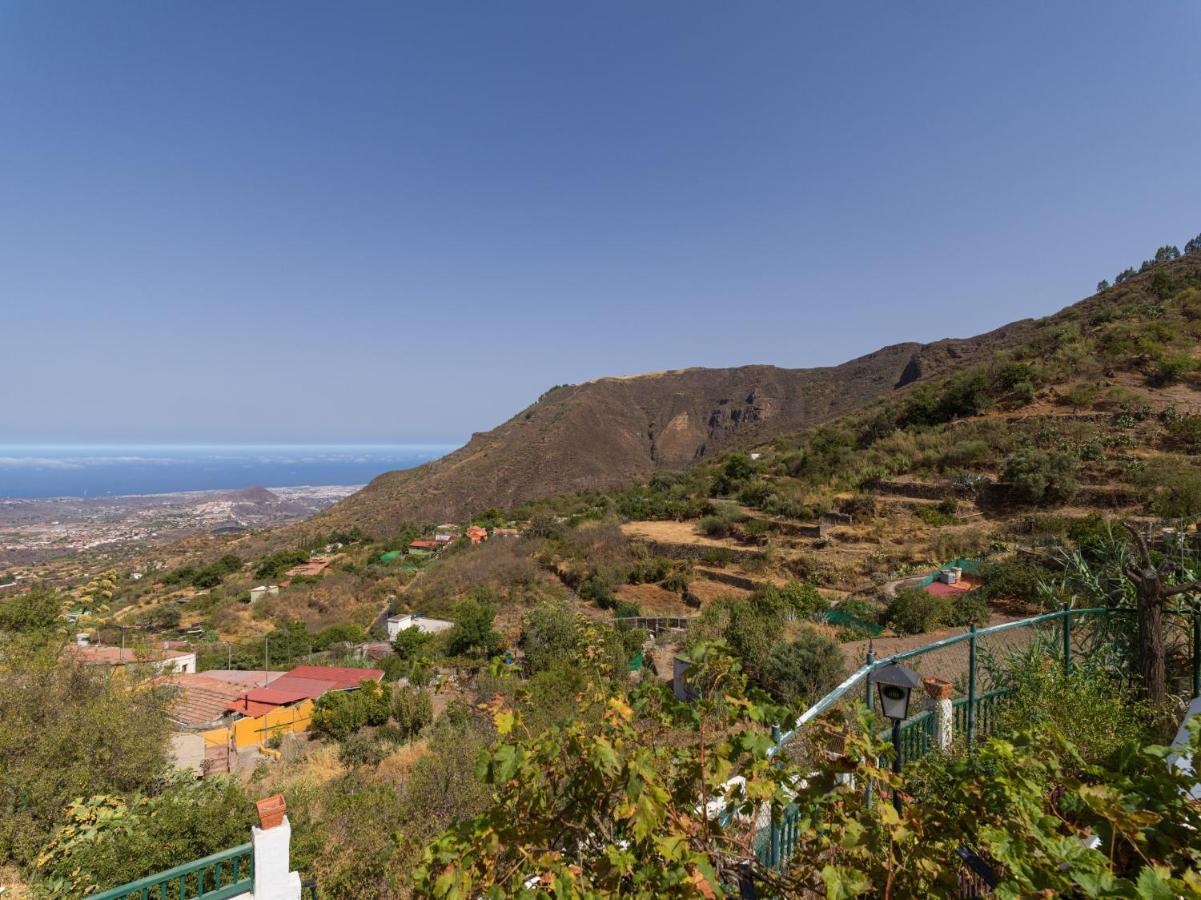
(266, 664)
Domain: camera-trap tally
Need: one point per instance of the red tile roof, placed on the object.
(252, 708)
(345, 676)
(274, 696)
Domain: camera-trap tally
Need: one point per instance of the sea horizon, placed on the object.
(46, 470)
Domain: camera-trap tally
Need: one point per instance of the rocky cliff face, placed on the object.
(614, 431)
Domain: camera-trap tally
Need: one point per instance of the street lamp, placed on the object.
(896, 684)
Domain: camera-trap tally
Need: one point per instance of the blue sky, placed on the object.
(401, 222)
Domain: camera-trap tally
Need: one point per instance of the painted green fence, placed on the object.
(224, 874)
(974, 716)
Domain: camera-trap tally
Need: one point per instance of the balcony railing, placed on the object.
(224, 874)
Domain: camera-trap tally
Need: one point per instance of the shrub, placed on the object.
(715, 526)
(596, 590)
(1184, 433)
(718, 557)
(413, 710)
(69, 731)
(343, 633)
(278, 563)
(934, 516)
(1093, 707)
(626, 609)
(1171, 368)
(755, 493)
(967, 609)
(793, 600)
(166, 616)
(1083, 395)
(677, 582)
(362, 749)
(805, 668)
(341, 713)
(1172, 488)
(1011, 579)
(36, 611)
(914, 611)
(109, 840)
(1041, 476)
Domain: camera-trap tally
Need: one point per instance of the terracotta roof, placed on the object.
(424, 545)
(199, 700)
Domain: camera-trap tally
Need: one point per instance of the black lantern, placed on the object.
(896, 684)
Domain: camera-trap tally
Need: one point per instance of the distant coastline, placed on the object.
(48, 471)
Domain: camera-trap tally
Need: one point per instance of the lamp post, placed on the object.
(896, 684)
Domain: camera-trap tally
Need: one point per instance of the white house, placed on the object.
(397, 624)
(263, 590)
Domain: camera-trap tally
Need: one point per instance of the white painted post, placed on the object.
(938, 701)
(272, 880)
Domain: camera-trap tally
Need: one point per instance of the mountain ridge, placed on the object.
(615, 430)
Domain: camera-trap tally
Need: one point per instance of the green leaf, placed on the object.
(843, 882)
(1152, 884)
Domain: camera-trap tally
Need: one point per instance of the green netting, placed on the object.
(970, 565)
(846, 620)
(389, 556)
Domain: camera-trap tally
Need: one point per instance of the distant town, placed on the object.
(36, 530)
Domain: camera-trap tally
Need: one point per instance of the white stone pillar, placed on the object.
(938, 701)
(272, 880)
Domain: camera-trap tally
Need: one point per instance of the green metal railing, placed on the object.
(224, 874)
(974, 716)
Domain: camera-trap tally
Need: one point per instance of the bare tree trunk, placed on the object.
(1151, 653)
(1151, 595)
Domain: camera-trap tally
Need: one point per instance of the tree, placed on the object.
(410, 643)
(342, 633)
(1102, 285)
(473, 632)
(1151, 594)
(1194, 245)
(1166, 252)
(548, 633)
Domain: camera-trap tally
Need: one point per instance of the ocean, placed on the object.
(27, 470)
